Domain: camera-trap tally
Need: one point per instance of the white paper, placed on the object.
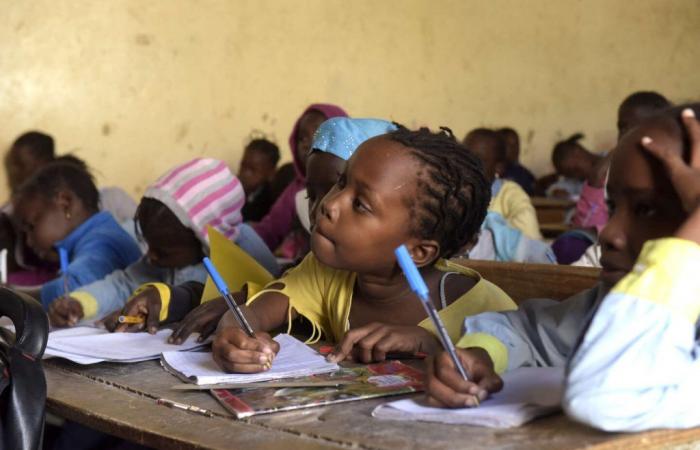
(295, 359)
(527, 393)
(87, 344)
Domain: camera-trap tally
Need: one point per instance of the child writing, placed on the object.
(173, 217)
(256, 172)
(416, 188)
(644, 206)
(507, 198)
(57, 207)
(334, 142)
(637, 365)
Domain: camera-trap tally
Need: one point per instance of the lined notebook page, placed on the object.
(118, 347)
(295, 359)
(527, 393)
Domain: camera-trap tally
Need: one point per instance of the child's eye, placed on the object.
(359, 206)
(644, 210)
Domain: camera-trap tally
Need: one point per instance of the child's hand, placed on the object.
(684, 176)
(146, 303)
(372, 342)
(65, 312)
(445, 387)
(202, 319)
(235, 351)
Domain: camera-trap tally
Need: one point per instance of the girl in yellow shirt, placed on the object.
(416, 188)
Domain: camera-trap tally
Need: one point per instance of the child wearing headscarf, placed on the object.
(279, 222)
(173, 218)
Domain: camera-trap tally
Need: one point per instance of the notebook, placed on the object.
(364, 382)
(528, 392)
(90, 345)
(295, 359)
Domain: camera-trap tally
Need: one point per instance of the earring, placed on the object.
(67, 215)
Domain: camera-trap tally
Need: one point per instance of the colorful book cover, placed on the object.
(369, 381)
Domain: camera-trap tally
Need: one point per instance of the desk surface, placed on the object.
(121, 400)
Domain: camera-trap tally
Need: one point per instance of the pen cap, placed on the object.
(214, 274)
(415, 280)
(63, 258)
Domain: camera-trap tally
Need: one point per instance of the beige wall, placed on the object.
(135, 86)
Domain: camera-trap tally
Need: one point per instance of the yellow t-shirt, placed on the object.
(513, 203)
(324, 296)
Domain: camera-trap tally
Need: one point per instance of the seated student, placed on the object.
(574, 164)
(416, 188)
(498, 241)
(334, 142)
(173, 217)
(507, 198)
(57, 208)
(514, 170)
(279, 222)
(30, 152)
(544, 332)
(256, 172)
(591, 212)
(637, 365)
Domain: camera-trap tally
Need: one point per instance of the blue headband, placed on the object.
(340, 136)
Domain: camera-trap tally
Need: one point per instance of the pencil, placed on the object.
(131, 319)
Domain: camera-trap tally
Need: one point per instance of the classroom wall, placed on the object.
(134, 86)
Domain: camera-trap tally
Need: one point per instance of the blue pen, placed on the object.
(223, 290)
(418, 286)
(63, 258)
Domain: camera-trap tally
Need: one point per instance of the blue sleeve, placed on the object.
(637, 366)
(112, 292)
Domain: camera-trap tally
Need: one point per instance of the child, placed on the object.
(507, 198)
(335, 141)
(636, 367)
(416, 188)
(58, 208)
(591, 212)
(173, 217)
(256, 172)
(514, 170)
(30, 152)
(279, 222)
(545, 332)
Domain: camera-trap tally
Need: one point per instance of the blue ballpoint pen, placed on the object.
(223, 290)
(418, 286)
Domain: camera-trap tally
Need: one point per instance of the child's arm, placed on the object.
(235, 351)
(637, 366)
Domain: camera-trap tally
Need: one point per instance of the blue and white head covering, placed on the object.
(341, 136)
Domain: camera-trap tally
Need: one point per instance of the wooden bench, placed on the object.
(551, 215)
(524, 281)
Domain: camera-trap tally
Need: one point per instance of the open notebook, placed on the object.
(89, 345)
(295, 359)
(528, 392)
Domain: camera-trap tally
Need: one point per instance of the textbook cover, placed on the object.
(368, 381)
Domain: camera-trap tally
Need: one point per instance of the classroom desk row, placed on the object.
(121, 400)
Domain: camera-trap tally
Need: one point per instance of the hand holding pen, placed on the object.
(418, 286)
(238, 348)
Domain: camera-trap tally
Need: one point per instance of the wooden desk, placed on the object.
(551, 210)
(120, 400)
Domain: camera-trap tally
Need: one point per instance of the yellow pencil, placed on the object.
(131, 319)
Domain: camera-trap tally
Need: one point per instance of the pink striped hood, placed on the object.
(202, 192)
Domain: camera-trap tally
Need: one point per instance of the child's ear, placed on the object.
(65, 201)
(501, 168)
(424, 252)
